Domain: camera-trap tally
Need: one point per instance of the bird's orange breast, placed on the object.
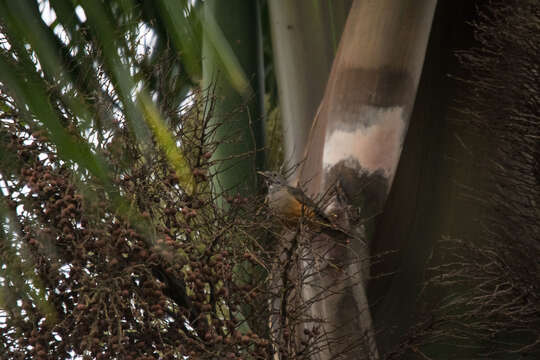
(285, 204)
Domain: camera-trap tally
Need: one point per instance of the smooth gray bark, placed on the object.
(305, 35)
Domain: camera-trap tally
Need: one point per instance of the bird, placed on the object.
(293, 204)
(287, 200)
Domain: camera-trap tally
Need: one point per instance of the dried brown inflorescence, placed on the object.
(492, 309)
(161, 279)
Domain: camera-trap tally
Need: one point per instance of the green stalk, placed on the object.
(231, 64)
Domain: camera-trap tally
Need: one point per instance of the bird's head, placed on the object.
(272, 178)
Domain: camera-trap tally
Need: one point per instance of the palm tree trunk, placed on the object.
(356, 142)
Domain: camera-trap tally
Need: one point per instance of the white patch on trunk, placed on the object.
(373, 137)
